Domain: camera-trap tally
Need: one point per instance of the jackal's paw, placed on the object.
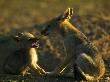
(42, 72)
(26, 74)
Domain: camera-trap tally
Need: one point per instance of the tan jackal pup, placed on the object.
(25, 58)
(80, 50)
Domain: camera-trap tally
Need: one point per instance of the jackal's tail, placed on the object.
(90, 68)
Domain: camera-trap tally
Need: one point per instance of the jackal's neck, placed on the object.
(69, 30)
(29, 51)
(32, 51)
(76, 37)
(33, 54)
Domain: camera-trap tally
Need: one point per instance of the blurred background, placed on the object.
(17, 13)
(90, 16)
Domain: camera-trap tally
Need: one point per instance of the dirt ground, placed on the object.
(90, 17)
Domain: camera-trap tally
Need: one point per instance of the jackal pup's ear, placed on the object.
(17, 37)
(67, 14)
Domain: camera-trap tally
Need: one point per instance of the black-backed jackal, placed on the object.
(25, 58)
(84, 55)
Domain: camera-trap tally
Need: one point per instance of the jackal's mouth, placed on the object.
(35, 44)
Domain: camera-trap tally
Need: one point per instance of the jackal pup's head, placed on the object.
(26, 39)
(54, 24)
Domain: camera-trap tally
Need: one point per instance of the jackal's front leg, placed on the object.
(37, 69)
(25, 72)
(41, 70)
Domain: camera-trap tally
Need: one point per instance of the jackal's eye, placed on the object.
(30, 39)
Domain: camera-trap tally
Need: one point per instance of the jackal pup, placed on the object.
(84, 55)
(25, 58)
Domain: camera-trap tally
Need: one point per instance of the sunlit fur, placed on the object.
(25, 58)
(84, 55)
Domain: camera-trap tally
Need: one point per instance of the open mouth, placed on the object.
(35, 44)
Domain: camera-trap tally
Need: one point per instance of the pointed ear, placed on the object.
(18, 36)
(67, 14)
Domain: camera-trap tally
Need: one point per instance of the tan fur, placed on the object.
(25, 58)
(79, 49)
